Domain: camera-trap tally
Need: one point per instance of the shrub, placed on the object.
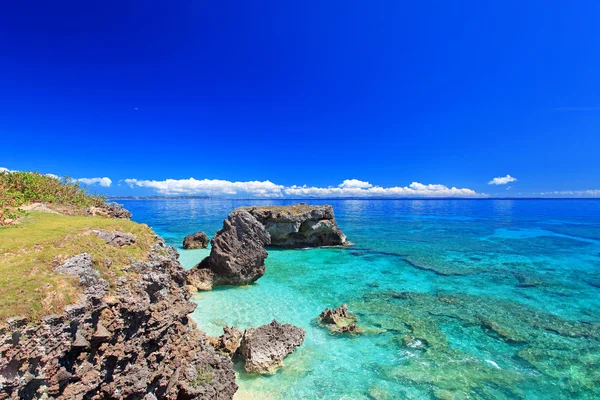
(20, 188)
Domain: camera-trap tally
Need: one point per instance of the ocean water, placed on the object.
(458, 299)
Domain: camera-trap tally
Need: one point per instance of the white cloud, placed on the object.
(209, 187)
(573, 193)
(354, 184)
(104, 182)
(2, 169)
(502, 180)
(53, 176)
(349, 188)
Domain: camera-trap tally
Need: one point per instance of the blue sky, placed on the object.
(311, 93)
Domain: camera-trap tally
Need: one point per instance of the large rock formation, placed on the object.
(132, 341)
(197, 240)
(299, 225)
(237, 256)
(264, 348)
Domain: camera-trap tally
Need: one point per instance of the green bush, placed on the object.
(20, 188)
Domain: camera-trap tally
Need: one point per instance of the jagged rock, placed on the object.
(237, 256)
(142, 343)
(80, 266)
(197, 240)
(339, 320)
(228, 343)
(110, 210)
(200, 278)
(80, 342)
(116, 238)
(299, 225)
(264, 348)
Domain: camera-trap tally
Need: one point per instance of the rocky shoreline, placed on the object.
(134, 342)
(131, 337)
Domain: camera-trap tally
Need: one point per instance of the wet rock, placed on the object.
(264, 348)
(200, 279)
(197, 240)
(299, 225)
(237, 256)
(339, 320)
(116, 238)
(228, 343)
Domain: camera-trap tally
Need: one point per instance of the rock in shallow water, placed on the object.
(339, 320)
(238, 254)
(197, 240)
(228, 343)
(264, 348)
(299, 225)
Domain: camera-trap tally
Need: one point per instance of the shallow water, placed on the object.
(458, 298)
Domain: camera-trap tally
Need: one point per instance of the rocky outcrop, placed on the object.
(130, 340)
(339, 320)
(238, 254)
(197, 240)
(264, 348)
(228, 343)
(299, 225)
(116, 238)
(110, 210)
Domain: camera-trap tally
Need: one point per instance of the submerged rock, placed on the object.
(264, 348)
(197, 240)
(238, 254)
(228, 343)
(116, 238)
(339, 320)
(299, 225)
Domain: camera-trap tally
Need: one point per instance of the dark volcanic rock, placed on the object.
(197, 240)
(300, 225)
(228, 343)
(116, 238)
(264, 348)
(237, 256)
(134, 342)
(339, 320)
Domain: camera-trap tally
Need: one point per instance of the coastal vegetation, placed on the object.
(30, 250)
(21, 188)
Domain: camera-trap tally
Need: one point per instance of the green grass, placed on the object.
(30, 250)
(20, 188)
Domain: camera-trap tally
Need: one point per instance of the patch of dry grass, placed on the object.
(31, 250)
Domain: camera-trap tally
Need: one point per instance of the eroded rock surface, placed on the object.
(264, 348)
(134, 341)
(110, 210)
(339, 320)
(238, 254)
(116, 238)
(197, 240)
(228, 343)
(299, 225)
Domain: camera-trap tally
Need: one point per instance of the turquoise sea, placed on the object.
(459, 299)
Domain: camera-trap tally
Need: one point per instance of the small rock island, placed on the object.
(238, 250)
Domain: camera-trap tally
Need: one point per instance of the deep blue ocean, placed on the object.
(458, 299)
